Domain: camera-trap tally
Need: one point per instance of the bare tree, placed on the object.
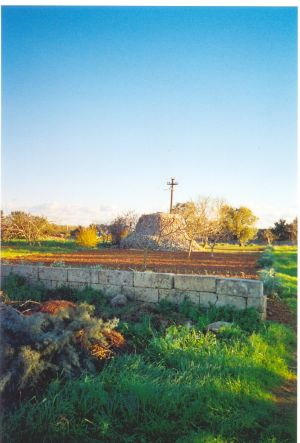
(168, 227)
(122, 226)
(216, 229)
(22, 225)
(203, 221)
(195, 215)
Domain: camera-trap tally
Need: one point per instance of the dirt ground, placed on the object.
(279, 311)
(227, 264)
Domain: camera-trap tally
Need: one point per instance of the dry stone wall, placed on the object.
(150, 286)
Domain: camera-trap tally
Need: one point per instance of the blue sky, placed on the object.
(102, 105)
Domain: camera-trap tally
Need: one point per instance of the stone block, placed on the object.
(116, 277)
(255, 288)
(48, 273)
(207, 299)
(153, 280)
(94, 276)
(232, 287)
(231, 301)
(192, 296)
(195, 283)
(79, 275)
(171, 295)
(112, 290)
(146, 294)
(28, 271)
(259, 303)
(103, 276)
(129, 292)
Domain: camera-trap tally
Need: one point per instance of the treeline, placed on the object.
(207, 221)
(33, 229)
(281, 231)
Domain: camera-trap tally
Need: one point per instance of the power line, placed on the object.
(172, 183)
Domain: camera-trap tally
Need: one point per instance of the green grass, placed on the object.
(177, 383)
(20, 248)
(228, 247)
(185, 387)
(285, 265)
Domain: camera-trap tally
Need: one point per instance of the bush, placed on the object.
(87, 237)
(273, 285)
(16, 287)
(266, 259)
(58, 339)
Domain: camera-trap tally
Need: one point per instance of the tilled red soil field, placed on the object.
(228, 264)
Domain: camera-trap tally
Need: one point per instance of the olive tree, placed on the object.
(240, 222)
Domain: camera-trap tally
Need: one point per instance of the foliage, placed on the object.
(280, 273)
(266, 259)
(240, 222)
(104, 233)
(186, 387)
(272, 283)
(281, 230)
(87, 237)
(43, 345)
(293, 228)
(17, 287)
(269, 236)
(21, 225)
(122, 226)
(203, 220)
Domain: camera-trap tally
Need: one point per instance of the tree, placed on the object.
(203, 220)
(269, 236)
(240, 222)
(293, 229)
(104, 233)
(281, 230)
(217, 228)
(194, 221)
(87, 237)
(122, 226)
(22, 225)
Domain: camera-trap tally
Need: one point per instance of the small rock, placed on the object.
(214, 327)
(119, 300)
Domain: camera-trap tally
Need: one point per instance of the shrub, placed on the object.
(87, 237)
(273, 285)
(266, 259)
(58, 339)
(16, 287)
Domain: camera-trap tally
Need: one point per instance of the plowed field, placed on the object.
(228, 264)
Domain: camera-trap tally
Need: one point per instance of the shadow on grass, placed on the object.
(132, 400)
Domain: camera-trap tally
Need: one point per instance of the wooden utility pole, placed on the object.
(172, 183)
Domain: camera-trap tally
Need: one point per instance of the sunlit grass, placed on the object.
(185, 386)
(285, 266)
(48, 248)
(175, 384)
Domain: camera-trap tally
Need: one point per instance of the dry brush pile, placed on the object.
(55, 338)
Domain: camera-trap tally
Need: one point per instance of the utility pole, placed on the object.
(172, 183)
